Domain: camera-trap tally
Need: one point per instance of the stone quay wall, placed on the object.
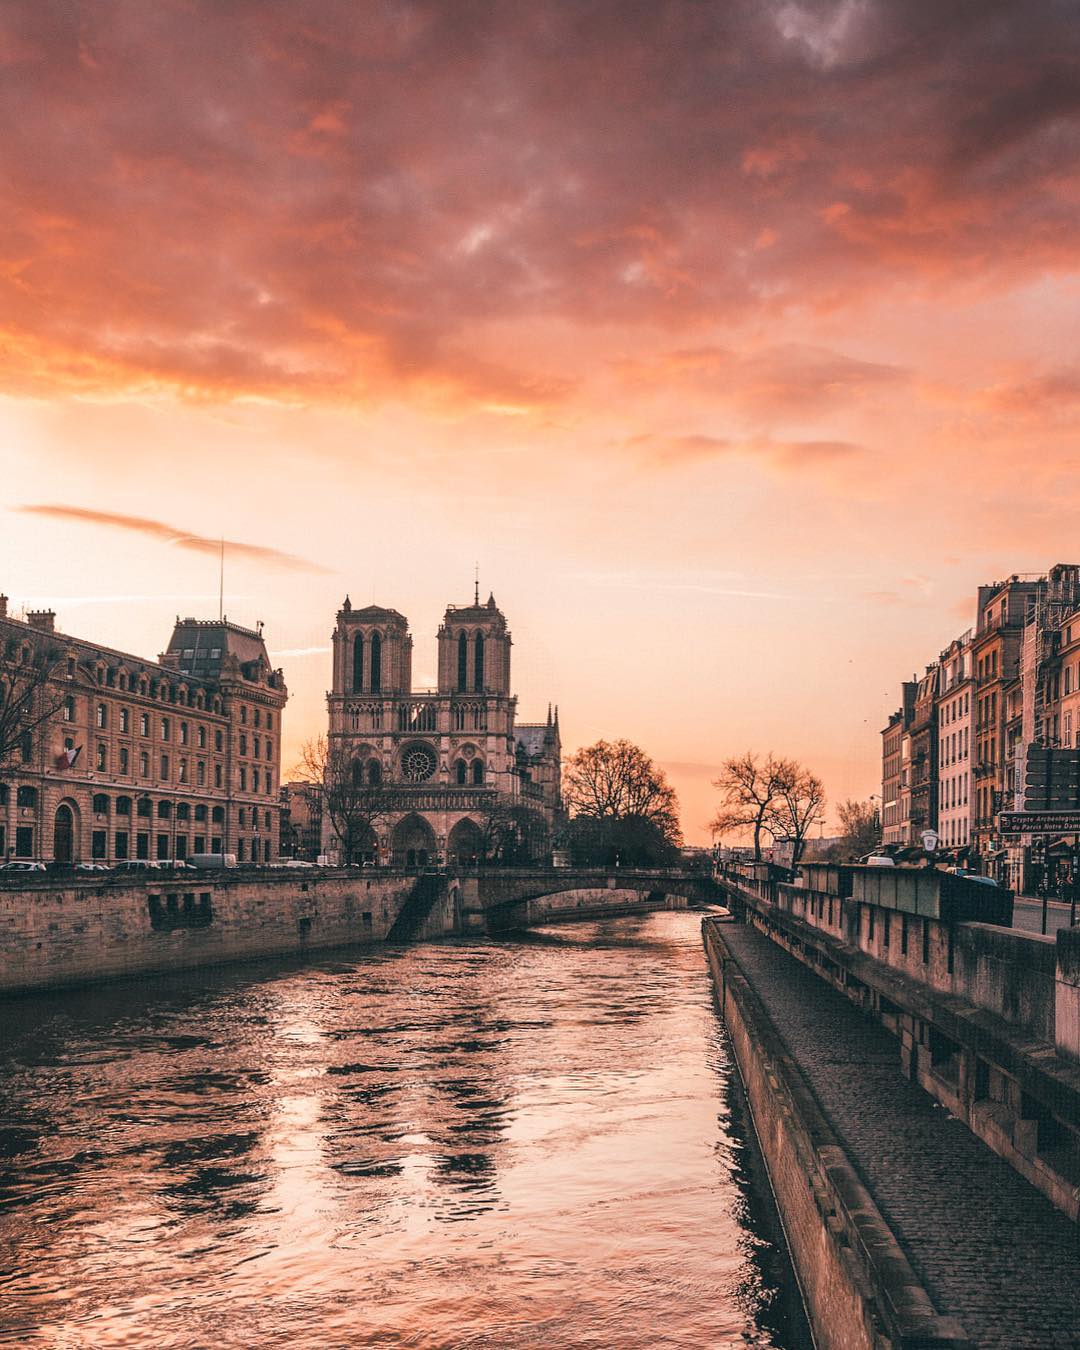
(83, 929)
(858, 1287)
(988, 1018)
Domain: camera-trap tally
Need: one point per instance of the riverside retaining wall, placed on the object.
(86, 929)
(859, 1289)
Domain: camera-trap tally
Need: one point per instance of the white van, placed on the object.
(212, 860)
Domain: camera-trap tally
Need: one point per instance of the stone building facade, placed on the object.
(444, 762)
(144, 759)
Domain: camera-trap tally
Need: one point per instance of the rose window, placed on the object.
(418, 763)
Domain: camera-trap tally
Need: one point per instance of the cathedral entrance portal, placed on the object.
(413, 843)
(465, 843)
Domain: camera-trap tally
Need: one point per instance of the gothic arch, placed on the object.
(465, 843)
(463, 662)
(376, 663)
(412, 843)
(358, 663)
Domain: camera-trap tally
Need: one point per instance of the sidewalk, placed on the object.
(991, 1251)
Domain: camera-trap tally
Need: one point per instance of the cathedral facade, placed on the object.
(450, 774)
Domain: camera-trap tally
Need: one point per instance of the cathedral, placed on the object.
(453, 776)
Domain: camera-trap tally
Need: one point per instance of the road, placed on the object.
(1027, 915)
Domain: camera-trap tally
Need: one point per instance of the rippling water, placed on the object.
(492, 1144)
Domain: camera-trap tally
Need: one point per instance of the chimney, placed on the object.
(42, 619)
(3, 606)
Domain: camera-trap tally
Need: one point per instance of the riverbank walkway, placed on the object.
(991, 1251)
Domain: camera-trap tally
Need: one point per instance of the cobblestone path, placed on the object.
(990, 1249)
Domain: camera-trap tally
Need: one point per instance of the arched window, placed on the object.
(101, 804)
(477, 772)
(376, 663)
(462, 772)
(357, 773)
(123, 806)
(374, 772)
(478, 663)
(358, 663)
(462, 662)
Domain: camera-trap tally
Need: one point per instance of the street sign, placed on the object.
(929, 840)
(1039, 822)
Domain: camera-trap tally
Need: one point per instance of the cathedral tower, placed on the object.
(372, 651)
(474, 649)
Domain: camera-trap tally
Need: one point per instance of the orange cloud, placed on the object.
(169, 534)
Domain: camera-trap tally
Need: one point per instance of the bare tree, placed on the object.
(355, 808)
(29, 697)
(799, 805)
(750, 792)
(861, 825)
(616, 780)
(512, 834)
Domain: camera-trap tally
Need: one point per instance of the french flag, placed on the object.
(66, 758)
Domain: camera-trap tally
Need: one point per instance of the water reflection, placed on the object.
(497, 1144)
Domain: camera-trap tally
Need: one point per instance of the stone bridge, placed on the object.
(491, 900)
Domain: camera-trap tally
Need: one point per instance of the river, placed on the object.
(529, 1142)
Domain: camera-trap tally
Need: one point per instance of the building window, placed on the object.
(200, 738)
(358, 663)
(243, 743)
(374, 774)
(164, 810)
(269, 749)
(255, 747)
(164, 728)
(461, 771)
(123, 806)
(200, 814)
(462, 662)
(200, 773)
(376, 663)
(217, 741)
(144, 724)
(100, 804)
(183, 811)
(125, 720)
(26, 747)
(26, 796)
(102, 716)
(477, 772)
(217, 815)
(243, 778)
(69, 709)
(182, 771)
(217, 775)
(162, 847)
(120, 845)
(24, 841)
(98, 844)
(254, 780)
(183, 733)
(243, 713)
(269, 721)
(164, 768)
(478, 663)
(144, 764)
(102, 757)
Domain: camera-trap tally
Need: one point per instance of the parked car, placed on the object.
(879, 860)
(20, 866)
(298, 862)
(136, 865)
(974, 876)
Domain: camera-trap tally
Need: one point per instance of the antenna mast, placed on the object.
(476, 588)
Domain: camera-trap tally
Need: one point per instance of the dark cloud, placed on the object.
(169, 534)
(315, 200)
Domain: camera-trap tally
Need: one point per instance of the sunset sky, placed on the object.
(737, 342)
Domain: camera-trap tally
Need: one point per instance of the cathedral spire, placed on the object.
(476, 588)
